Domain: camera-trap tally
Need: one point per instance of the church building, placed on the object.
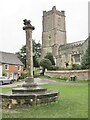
(54, 40)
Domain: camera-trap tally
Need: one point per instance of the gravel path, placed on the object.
(41, 81)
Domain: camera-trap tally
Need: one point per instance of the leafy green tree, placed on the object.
(22, 55)
(36, 54)
(45, 63)
(89, 51)
(36, 49)
(50, 57)
(85, 64)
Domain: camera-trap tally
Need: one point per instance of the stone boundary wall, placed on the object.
(80, 74)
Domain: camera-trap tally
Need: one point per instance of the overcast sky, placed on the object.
(12, 13)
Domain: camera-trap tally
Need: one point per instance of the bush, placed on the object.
(53, 67)
(20, 77)
(45, 63)
(76, 67)
(50, 57)
(68, 68)
(62, 78)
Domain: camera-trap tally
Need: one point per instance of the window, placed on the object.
(19, 67)
(49, 37)
(59, 21)
(6, 66)
(77, 58)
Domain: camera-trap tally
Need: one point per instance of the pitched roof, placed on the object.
(69, 45)
(9, 58)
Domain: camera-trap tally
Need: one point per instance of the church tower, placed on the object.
(54, 31)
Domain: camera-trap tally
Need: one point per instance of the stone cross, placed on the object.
(29, 47)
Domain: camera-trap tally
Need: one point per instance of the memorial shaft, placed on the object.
(29, 47)
(29, 50)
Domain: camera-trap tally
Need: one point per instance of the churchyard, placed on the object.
(72, 103)
(66, 98)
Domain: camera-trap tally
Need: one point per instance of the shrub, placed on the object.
(45, 63)
(53, 67)
(76, 67)
(62, 78)
(68, 68)
(50, 57)
(20, 77)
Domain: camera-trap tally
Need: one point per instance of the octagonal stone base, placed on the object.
(30, 94)
(14, 100)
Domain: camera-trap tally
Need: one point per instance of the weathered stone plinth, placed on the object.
(29, 82)
(29, 90)
(19, 97)
(32, 85)
(28, 95)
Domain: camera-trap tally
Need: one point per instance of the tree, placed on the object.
(22, 55)
(50, 57)
(85, 64)
(45, 63)
(36, 49)
(89, 51)
(36, 54)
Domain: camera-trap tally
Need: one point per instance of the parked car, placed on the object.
(5, 80)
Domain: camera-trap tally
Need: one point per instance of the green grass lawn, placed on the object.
(72, 103)
(63, 79)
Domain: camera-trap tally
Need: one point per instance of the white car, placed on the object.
(5, 80)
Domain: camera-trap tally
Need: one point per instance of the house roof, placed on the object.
(69, 45)
(9, 58)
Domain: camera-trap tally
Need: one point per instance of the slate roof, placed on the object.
(69, 45)
(9, 58)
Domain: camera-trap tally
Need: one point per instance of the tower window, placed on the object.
(77, 58)
(59, 21)
(49, 36)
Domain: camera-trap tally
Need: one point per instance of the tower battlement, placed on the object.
(54, 10)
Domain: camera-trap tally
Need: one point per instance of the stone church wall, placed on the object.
(80, 74)
(68, 53)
